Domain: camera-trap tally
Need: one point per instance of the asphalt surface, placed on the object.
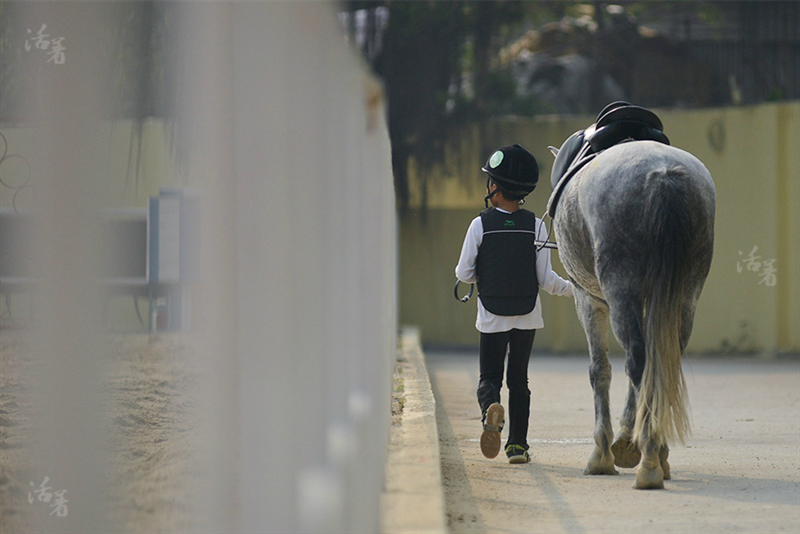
(738, 472)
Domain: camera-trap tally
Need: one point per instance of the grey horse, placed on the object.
(635, 232)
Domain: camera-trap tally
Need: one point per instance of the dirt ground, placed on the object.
(738, 472)
(150, 403)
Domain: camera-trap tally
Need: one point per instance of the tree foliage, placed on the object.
(436, 61)
(440, 61)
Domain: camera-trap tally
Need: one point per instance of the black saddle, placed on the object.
(616, 123)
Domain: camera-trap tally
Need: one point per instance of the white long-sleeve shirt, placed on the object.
(489, 323)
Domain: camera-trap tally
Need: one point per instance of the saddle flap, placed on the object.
(566, 155)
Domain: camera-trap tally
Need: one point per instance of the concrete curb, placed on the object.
(413, 499)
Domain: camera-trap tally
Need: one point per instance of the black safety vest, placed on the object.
(506, 263)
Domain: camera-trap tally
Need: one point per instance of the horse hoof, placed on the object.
(626, 454)
(600, 470)
(600, 465)
(647, 478)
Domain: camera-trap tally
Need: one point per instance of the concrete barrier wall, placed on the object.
(311, 203)
(294, 314)
(746, 307)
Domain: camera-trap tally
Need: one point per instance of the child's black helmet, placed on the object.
(513, 169)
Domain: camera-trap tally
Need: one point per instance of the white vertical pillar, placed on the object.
(69, 446)
(296, 301)
(205, 139)
(314, 268)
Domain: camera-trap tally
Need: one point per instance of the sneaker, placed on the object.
(517, 454)
(493, 422)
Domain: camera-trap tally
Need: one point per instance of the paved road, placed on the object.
(739, 471)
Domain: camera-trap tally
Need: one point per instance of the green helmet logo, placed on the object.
(496, 159)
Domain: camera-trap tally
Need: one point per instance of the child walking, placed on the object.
(500, 255)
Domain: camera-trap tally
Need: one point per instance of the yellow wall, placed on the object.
(124, 190)
(753, 154)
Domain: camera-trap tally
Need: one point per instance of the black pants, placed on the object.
(518, 343)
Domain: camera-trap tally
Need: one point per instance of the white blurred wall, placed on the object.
(295, 309)
(290, 129)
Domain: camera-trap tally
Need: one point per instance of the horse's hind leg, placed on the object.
(687, 321)
(593, 315)
(650, 474)
(626, 453)
(654, 469)
(626, 320)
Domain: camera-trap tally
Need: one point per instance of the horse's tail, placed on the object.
(662, 407)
